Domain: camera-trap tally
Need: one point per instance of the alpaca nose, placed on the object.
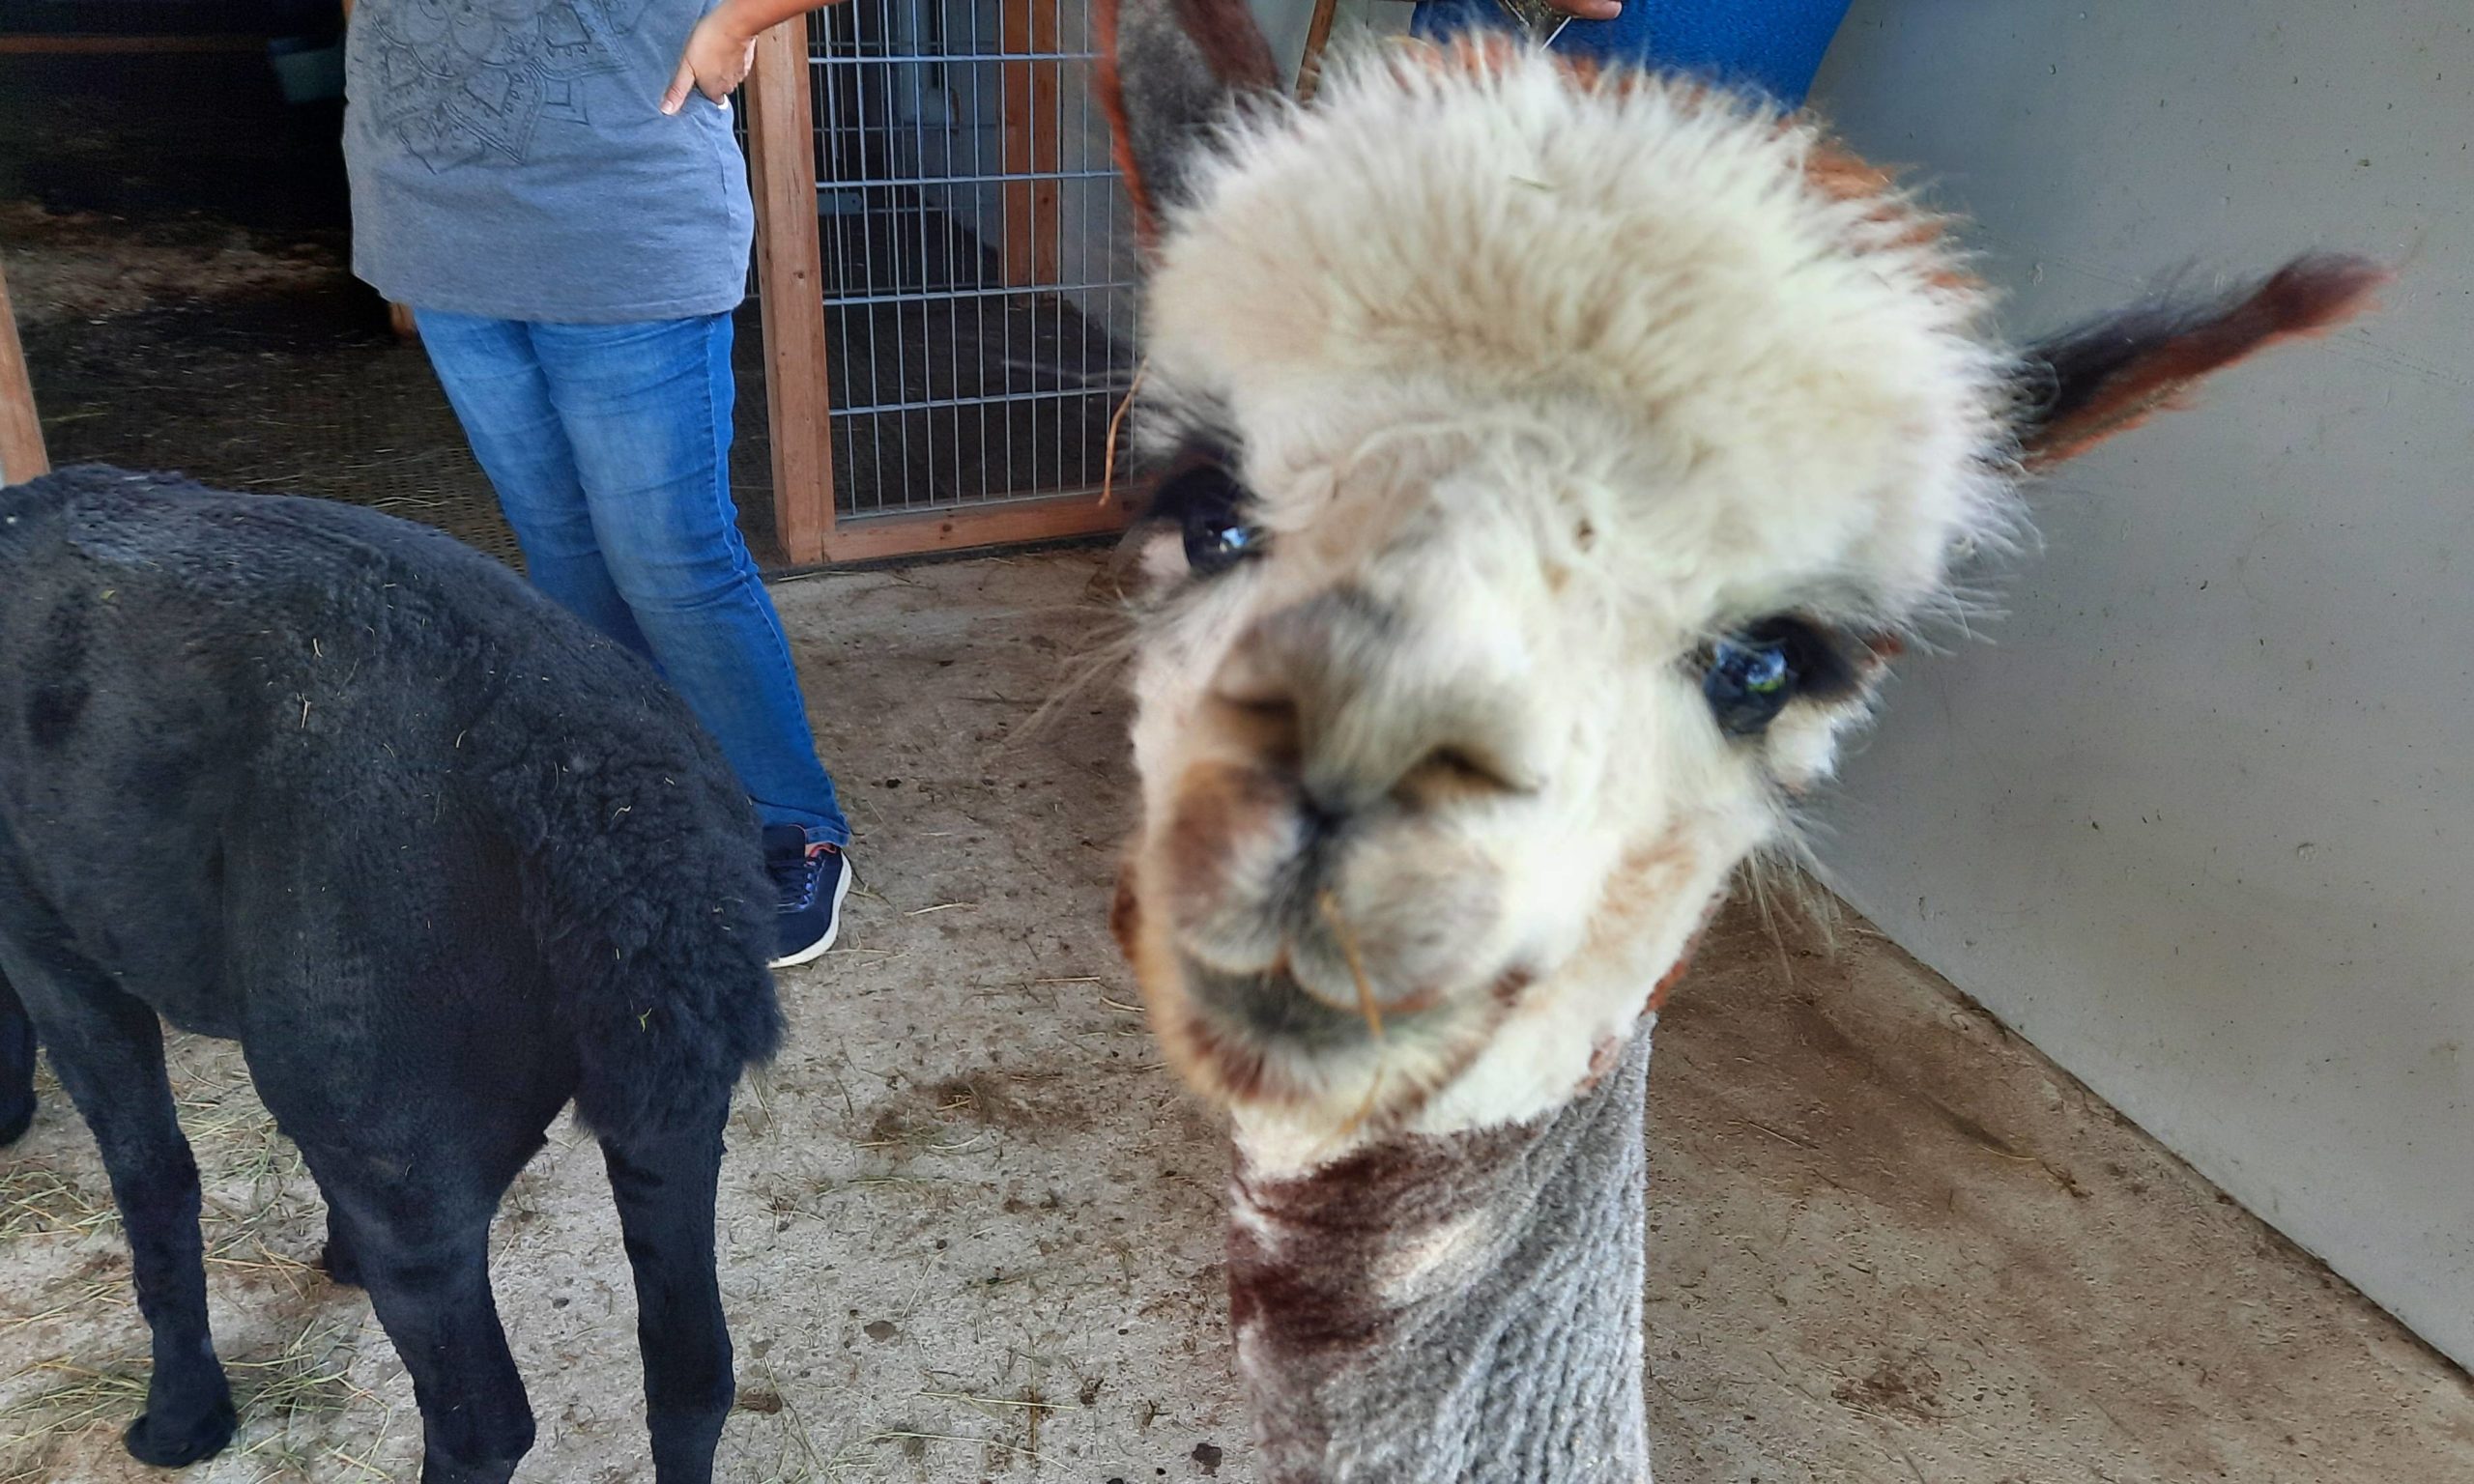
(1345, 697)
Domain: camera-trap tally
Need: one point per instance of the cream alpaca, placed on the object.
(1546, 467)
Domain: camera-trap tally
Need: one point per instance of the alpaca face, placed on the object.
(1541, 467)
(1544, 464)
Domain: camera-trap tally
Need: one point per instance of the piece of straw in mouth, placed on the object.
(1330, 903)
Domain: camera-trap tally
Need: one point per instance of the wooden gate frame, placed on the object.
(782, 172)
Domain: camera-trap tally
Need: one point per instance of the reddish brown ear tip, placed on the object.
(2119, 372)
(2321, 291)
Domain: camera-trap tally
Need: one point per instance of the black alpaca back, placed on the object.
(227, 718)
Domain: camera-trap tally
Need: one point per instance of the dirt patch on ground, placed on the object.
(83, 265)
(1913, 1248)
(177, 243)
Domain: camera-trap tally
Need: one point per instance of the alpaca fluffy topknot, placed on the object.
(1726, 309)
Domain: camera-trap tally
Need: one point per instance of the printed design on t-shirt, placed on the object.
(467, 81)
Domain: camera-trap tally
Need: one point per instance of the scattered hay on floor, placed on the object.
(286, 1401)
(795, 1456)
(259, 1198)
(73, 267)
(79, 1398)
(260, 1207)
(253, 1177)
(76, 1297)
(296, 1394)
(37, 1199)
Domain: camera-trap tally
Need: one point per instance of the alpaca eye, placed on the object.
(1208, 504)
(1217, 543)
(1748, 683)
(1751, 677)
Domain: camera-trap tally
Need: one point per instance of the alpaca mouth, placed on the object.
(1377, 928)
(1272, 1021)
(1250, 1038)
(1230, 1032)
(1273, 1006)
(1317, 954)
(1265, 1038)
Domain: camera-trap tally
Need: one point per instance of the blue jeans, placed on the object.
(1773, 45)
(609, 445)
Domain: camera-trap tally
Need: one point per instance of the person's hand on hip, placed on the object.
(719, 54)
(721, 50)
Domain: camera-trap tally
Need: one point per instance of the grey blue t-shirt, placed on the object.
(510, 159)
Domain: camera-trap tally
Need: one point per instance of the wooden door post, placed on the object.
(781, 159)
(1318, 35)
(1032, 92)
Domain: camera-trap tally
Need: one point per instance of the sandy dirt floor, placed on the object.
(970, 1225)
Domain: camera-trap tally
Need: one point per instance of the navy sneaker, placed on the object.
(812, 880)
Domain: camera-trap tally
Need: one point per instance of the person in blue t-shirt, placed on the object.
(552, 186)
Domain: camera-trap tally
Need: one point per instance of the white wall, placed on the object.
(2200, 820)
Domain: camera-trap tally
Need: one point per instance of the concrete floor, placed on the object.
(971, 1226)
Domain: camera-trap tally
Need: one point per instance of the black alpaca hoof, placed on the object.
(341, 1265)
(16, 1116)
(149, 1442)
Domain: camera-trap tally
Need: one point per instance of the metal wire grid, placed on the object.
(978, 281)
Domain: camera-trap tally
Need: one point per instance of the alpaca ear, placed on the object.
(1169, 72)
(2083, 387)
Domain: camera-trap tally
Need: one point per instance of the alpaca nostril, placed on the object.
(1262, 671)
(1453, 775)
(1462, 767)
(1264, 728)
(1336, 783)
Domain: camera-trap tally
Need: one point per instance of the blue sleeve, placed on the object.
(1773, 45)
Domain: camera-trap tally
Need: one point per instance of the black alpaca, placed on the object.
(438, 857)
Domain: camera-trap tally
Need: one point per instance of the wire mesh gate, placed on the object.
(946, 275)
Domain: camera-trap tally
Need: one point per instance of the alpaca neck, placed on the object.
(1463, 1308)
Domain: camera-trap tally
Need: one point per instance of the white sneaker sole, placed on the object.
(818, 949)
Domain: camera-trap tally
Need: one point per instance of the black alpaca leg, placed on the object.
(414, 1144)
(423, 1253)
(665, 1189)
(108, 1049)
(17, 1068)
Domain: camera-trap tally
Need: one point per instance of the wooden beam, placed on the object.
(21, 453)
(781, 159)
(1034, 123)
(85, 45)
(1318, 35)
(1010, 522)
